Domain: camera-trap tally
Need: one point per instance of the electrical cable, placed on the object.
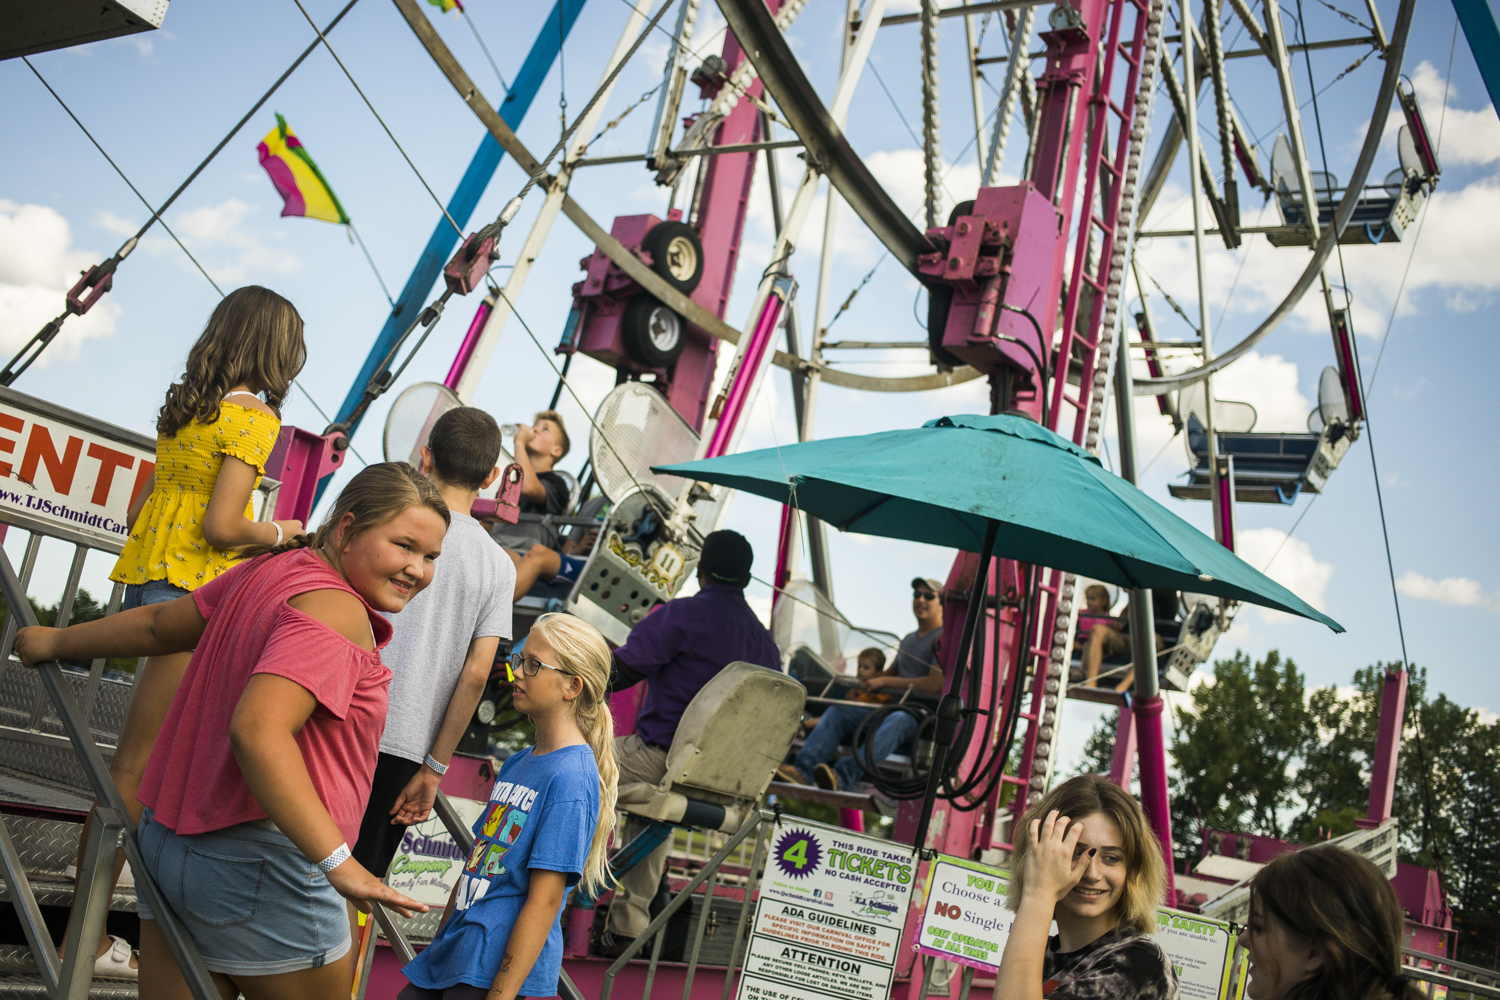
(478, 38)
(136, 191)
(1426, 208)
(1385, 533)
(100, 274)
(116, 166)
(378, 277)
(436, 200)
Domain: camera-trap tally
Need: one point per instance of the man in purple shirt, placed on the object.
(677, 649)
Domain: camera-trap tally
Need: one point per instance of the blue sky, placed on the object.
(158, 102)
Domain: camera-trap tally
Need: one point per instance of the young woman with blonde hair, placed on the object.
(1325, 924)
(545, 828)
(1085, 857)
(260, 775)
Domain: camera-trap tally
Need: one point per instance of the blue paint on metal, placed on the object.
(481, 168)
(1478, 21)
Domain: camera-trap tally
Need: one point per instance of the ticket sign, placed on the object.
(428, 862)
(829, 919)
(67, 474)
(965, 920)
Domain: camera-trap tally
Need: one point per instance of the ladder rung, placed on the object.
(1118, 110)
(1011, 779)
(1028, 716)
(1090, 279)
(1123, 54)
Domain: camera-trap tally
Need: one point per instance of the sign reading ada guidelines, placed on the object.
(829, 919)
(965, 920)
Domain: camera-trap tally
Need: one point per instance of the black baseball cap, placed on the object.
(726, 558)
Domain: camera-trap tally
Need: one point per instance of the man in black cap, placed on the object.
(678, 648)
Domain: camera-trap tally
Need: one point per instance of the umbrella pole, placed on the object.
(950, 711)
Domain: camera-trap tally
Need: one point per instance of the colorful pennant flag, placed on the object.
(447, 5)
(303, 189)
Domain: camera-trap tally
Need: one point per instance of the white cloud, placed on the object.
(112, 223)
(1268, 383)
(1294, 566)
(1459, 591)
(219, 237)
(38, 264)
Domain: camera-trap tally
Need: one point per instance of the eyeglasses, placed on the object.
(530, 666)
(923, 595)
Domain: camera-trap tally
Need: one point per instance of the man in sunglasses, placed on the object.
(677, 649)
(914, 666)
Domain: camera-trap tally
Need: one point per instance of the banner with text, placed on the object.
(428, 862)
(965, 920)
(65, 478)
(829, 919)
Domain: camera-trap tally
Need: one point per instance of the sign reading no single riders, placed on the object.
(828, 923)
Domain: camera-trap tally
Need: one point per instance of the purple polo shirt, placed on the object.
(681, 645)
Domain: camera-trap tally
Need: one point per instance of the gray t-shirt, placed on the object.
(916, 656)
(469, 598)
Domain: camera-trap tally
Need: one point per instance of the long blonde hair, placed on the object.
(1145, 870)
(253, 338)
(585, 655)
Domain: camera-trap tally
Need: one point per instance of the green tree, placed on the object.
(1236, 751)
(1099, 749)
(85, 609)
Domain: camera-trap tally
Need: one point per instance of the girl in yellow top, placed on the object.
(214, 436)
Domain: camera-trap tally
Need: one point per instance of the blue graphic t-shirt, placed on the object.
(541, 814)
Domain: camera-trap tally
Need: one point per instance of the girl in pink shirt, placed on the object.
(259, 778)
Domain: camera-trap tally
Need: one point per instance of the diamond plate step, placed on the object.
(47, 848)
(19, 978)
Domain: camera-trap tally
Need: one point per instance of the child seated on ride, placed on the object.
(1325, 923)
(214, 435)
(870, 663)
(1086, 858)
(537, 549)
(545, 828)
(259, 778)
(1107, 640)
(443, 650)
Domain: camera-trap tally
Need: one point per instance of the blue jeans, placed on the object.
(837, 726)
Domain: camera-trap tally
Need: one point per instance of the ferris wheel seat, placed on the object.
(1268, 467)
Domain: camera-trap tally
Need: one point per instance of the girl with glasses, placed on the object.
(545, 828)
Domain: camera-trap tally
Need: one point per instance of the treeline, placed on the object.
(1259, 752)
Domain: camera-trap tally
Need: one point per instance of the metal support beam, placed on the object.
(814, 123)
(461, 206)
(965, 11)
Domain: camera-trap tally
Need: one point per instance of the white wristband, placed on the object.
(279, 535)
(439, 768)
(335, 859)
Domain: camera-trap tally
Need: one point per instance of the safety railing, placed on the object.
(110, 830)
(707, 877)
(1456, 980)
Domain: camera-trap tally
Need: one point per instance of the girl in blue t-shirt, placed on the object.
(545, 827)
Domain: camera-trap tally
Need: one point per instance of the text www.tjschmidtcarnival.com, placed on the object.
(65, 512)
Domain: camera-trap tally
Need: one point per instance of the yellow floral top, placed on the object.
(167, 540)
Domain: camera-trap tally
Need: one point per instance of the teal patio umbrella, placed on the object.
(1000, 485)
(1050, 504)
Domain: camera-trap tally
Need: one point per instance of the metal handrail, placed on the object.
(178, 942)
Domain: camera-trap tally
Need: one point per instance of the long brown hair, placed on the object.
(1145, 871)
(376, 494)
(585, 655)
(1342, 905)
(253, 338)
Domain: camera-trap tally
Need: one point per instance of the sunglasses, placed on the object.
(529, 666)
(923, 595)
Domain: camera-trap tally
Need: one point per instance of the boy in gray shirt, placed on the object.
(444, 643)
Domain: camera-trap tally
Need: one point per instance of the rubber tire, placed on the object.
(659, 239)
(939, 301)
(635, 331)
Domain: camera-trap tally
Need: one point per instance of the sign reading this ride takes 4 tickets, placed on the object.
(829, 919)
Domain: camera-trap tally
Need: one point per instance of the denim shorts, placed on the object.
(138, 595)
(253, 904)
